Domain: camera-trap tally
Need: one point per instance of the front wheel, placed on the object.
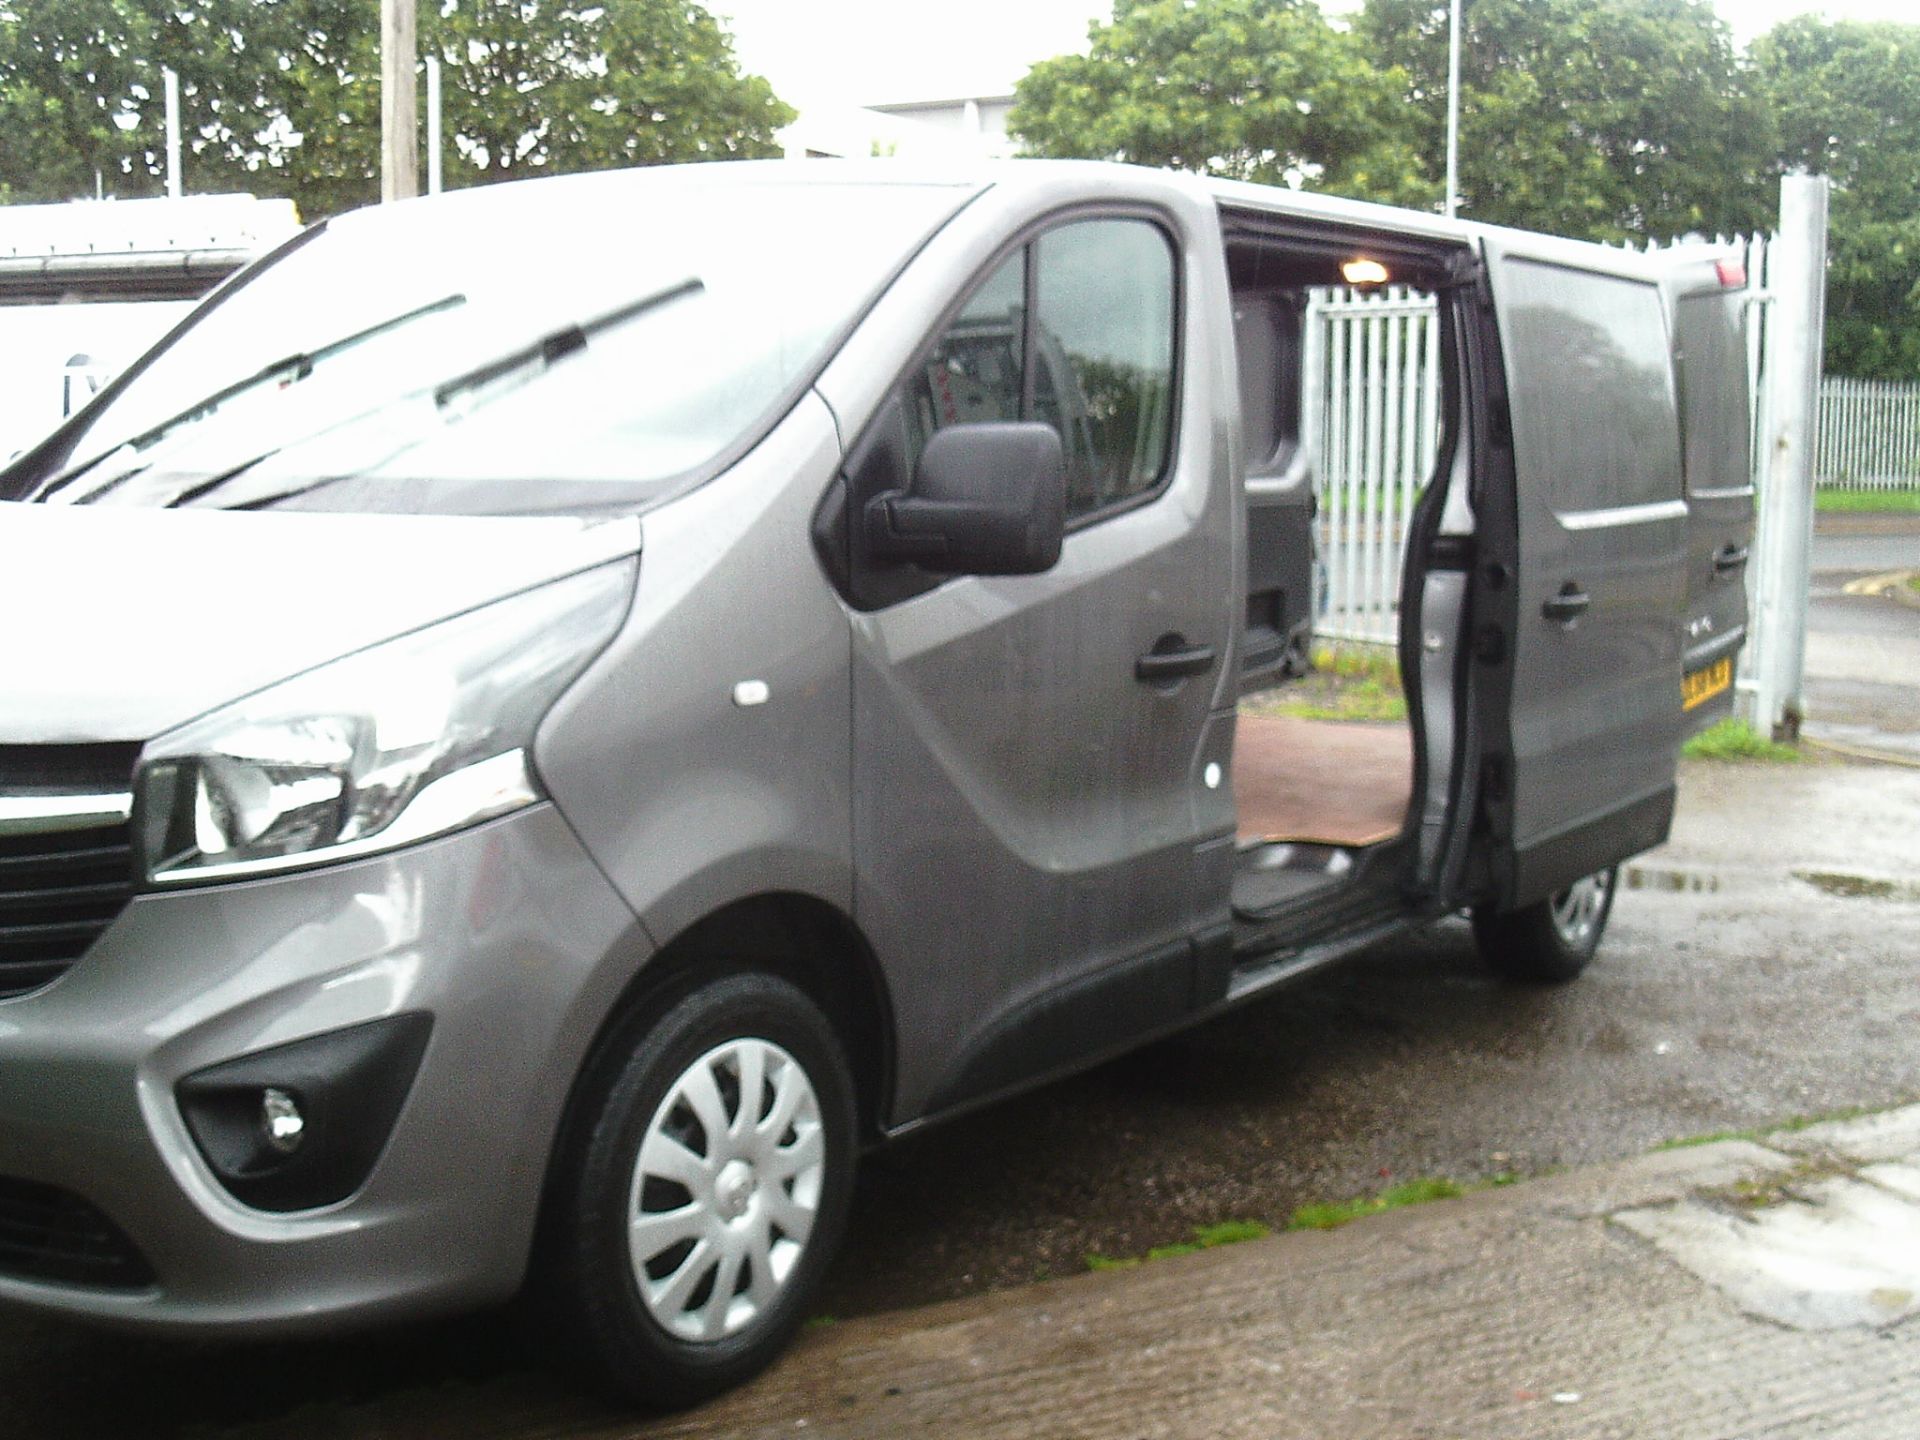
(1552, 940)
(708, 1191)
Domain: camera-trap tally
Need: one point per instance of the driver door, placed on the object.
(1025, 748)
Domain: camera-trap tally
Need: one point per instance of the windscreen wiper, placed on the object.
(287, 371)
(556, 345)
(547, 350)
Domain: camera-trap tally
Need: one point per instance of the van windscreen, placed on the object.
(589, 340)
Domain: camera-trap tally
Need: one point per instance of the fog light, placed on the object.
(280, 1117)
(301, 1125)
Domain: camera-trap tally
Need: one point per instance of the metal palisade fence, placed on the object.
(1372, 419)
(1372, 408)
(1869, 435)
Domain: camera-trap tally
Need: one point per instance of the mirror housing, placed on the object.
(988, 499)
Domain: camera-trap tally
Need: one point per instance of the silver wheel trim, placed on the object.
(725, 1190)
(1576, 910)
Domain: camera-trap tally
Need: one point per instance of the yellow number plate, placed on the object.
(1702, 685)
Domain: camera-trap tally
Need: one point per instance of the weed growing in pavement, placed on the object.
(1791, 1125)
(1736, 740)
(1760, 1192)
(1712, 1137)
(1857, 887)
(1411, 1192)
(1205, 1237)
(1309, 1217)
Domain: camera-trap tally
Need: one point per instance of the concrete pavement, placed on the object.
(1742, 1288)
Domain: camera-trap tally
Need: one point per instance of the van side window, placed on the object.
(1096, 364)
(1710, 332)
(1588, 370)
(974, 374)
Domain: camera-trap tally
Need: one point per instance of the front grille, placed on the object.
(61, 882)
(47, 1233)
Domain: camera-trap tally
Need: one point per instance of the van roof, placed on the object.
(1026, 174)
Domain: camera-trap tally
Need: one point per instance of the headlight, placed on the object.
(409, 739)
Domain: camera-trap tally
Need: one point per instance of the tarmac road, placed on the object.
(1864, 544)
(1862, 679)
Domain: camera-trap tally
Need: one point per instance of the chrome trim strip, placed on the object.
(47, 814)
(1624, 515)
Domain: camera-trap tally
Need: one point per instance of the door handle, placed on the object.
(1172, 658)
(1569, 605)
(1731, 557)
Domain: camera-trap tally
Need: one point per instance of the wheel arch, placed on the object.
(808, 942)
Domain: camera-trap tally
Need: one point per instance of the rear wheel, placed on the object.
(708, 1191)
(1551, 941)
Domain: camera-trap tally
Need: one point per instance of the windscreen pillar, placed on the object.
(1796, 326)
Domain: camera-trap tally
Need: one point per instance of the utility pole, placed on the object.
(172, 84)
(1796, 336)
(399, 120)
(434, 139)
(1453, 110)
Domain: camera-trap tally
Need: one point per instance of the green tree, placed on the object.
(1262, 90)
(1846, 98)
(1603, 119)
(593, 85)
(281, 97)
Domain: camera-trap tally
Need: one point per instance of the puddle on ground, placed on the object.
(1641, 877)
(1857, 887)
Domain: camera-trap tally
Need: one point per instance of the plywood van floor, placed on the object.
(1331, 782)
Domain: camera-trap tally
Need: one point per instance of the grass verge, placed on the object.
(1867, 502)
(1348, 682)
(1736, 740)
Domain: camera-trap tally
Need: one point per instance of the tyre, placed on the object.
(706, 1191)
(1551, 941)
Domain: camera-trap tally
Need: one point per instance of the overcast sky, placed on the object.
(869, 52)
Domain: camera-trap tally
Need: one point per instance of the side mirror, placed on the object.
(986, 500)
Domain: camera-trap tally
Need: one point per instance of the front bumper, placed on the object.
(506, 935)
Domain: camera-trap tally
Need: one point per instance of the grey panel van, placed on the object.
(541, 722)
